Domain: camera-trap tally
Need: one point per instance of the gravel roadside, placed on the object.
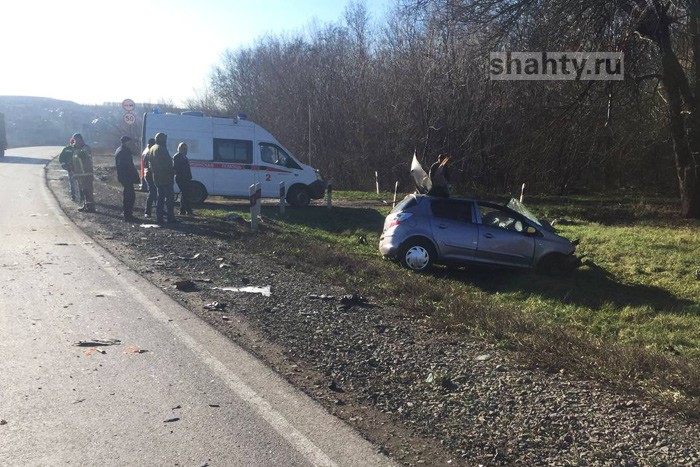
(424, 396)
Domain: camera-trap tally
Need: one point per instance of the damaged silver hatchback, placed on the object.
(423, 230)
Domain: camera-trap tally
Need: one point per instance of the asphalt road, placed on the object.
(173, 391)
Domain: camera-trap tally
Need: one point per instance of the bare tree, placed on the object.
(671, 26)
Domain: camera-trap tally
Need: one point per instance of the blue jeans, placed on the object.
(166, 199)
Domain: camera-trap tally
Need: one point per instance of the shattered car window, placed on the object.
(517, 206)
(493, 217)
(520, 208)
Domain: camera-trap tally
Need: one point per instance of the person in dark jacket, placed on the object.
(183, 177)
(127, 175)
(150, 185)
(440, 177)
(161, 166)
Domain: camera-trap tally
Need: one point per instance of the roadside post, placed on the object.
(329, 194)
(282, 195)
(376, 180)
(522, 193)
(129, 106)
(396, 190)
(255, 195)
(258, 201)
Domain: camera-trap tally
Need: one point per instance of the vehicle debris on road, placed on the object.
(215, 306)
(264, 291)
(96, 342)
(321, 297)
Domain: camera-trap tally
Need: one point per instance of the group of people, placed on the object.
(160, 171)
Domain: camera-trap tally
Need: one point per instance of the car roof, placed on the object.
(472, 200)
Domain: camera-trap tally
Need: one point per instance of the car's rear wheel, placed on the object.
(417, 255)
(197, 193)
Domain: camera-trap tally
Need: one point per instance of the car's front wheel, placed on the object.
(418, 255)
(555, 264)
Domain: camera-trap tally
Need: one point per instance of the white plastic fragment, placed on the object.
(264, 291)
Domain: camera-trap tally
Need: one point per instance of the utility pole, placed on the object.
(309, 134)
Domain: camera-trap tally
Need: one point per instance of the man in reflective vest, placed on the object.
(82, 171)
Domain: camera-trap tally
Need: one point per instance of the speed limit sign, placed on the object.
(129, 118)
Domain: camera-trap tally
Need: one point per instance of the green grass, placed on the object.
(630, 315)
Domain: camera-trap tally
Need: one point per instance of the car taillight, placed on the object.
(398, 219)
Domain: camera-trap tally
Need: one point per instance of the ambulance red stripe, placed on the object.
(235, 166)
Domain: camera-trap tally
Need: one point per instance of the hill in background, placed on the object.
(42, 121)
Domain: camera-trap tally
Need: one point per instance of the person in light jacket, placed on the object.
(147, 182)
(161, 165)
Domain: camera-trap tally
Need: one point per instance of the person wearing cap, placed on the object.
(127, 175)
(66, 161)
(161, 166)
(147, 180)
(82, 170)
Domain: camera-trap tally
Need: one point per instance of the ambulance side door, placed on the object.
(233, 159)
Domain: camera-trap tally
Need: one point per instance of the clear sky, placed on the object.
(95, 51)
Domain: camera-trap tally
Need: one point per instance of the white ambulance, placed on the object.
(228, 155)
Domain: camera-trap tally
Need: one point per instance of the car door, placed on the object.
(502, 237)
(453, 227)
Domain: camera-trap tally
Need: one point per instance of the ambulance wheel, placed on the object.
(298, 196)
(197, 193)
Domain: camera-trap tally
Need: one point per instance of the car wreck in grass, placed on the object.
(423, 230)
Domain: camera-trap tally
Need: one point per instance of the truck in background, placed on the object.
(3, 135)
(228, 155)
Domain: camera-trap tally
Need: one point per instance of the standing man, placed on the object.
(148, 179)
(82, 168)
(66, 161)
(183, 177)
(160, 163)
(127, 175)
(440, 177)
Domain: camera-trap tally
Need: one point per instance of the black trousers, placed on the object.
(128, 201)
(185, 205)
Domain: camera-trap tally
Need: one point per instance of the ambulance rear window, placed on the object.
(233, 150)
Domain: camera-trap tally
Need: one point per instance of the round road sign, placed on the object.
(128, 105)
(129, 118)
